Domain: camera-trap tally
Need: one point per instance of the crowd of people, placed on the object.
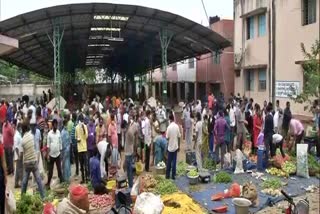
(104, 136)
(220, 127)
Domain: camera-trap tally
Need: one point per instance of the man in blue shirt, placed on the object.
(95, 173)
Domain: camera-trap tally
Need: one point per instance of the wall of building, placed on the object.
(289, 33)
(15, 91)
(218, 75)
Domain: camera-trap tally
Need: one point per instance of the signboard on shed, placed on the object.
(285, 89)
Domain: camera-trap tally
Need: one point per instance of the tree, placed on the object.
(87, 75)
(311, 74)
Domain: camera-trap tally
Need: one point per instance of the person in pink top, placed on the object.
(297, 130)
(113, 139)
(210, 101)
(7, 136)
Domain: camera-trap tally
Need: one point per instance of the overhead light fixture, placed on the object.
(94, 57)
(115, 39)
(108, 17)
(112, 39)
(190, 40)
(105, 29)
(27, 35)
(98, 45)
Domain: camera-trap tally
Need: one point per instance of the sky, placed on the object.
(191, 9)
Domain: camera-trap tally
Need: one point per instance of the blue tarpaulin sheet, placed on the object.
(201, 193)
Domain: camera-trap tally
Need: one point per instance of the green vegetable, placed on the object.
(272, 183)
(181, 168)
(193, 173)
(223, 177)
(289, 167)
(165, 186)
(29, 204)
(209, 164)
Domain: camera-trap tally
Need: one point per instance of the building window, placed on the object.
(262, 80)
(174, 66)
(250, 27)
(250, 80)
(309, 11)
(191, 63)
(262, 24)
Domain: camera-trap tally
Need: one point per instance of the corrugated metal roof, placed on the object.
(140, 33)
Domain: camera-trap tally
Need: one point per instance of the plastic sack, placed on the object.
(302, 160)
(239, 158)
(136, 187)
(227, 160)
(10, 203)
(148, 203)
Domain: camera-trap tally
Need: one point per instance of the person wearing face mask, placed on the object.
(54, 149)
(81, 135)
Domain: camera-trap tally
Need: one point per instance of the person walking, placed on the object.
(198, 143)
(220, 128)
(7, 135)
(228, 133)
(81, 135)
(17, 145)
(91, 140)
(205, 138)
(3, 114)
(3, 178)
(65, 153)
(257, 126)
(147, 139)
(188, 127)
(287, 116)
(74, 144)
(113, 139)
(173, 135)
(30, 163)
(54, 149)
(268, 131)
(211, 122)
(130, 148)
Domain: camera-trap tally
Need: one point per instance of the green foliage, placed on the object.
(311, 73)
(87, 75)
(14, 74)
(222, 177)
(29, 204)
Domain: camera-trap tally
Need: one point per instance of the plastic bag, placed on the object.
(239, 158)
(10, 204)
(227, 160)
(302, 160)
(136, 187)
(48, 208)
(41, 168)
(148, 203)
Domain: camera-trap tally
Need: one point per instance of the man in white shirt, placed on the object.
(173, 135)
(277, 140)
(147, 139)
(17, 145)
(198, 143)
(104, 155)
(54, 149)
(33, 120)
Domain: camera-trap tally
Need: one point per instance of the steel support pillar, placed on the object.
(165, 38)
(56, 41)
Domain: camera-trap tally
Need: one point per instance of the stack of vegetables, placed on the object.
(271, 186)
(30, 204)
(101, 201)
(164, 186)
(222, 177)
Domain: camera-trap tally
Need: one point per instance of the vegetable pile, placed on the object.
(165, 186)
(178, 203)
(276, 172)
(313, 164)
(101, 201)
(149, 183)
(209, 164)
(289, 167)
(181, 168)
(222, 177)
(273, 183)
(193, 173)
(271, 186)
(29, 204)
